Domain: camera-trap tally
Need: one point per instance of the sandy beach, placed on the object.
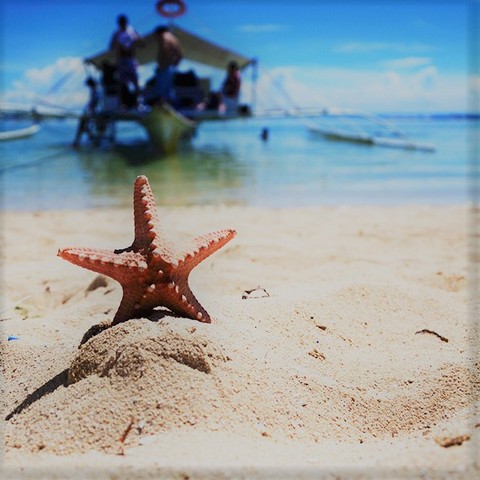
(342, 346)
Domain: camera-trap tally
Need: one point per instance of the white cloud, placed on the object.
(45, 76)
(425, 90)
(475, 83)
(369, 47)
(60, 84)
(261, 28)
(407, 62)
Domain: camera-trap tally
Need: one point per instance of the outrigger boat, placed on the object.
(363, 128)
(166, 124)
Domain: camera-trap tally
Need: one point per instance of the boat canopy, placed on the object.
(194, 48)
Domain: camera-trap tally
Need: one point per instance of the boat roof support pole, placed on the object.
(254, 83)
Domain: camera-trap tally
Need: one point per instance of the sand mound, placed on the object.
(130, 349)
(157, 373)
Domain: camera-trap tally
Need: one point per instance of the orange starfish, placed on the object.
(151, 272)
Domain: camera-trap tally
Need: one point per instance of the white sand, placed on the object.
(327, 374)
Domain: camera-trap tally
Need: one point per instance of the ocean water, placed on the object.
(228, 163)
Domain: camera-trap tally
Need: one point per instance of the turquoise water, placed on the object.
(228, 163)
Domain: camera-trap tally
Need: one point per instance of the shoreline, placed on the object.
(260, 204)
(359, 355)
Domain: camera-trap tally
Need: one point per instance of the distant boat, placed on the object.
(18, 133)
(364, 128)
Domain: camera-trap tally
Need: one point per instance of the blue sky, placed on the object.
(378, 56)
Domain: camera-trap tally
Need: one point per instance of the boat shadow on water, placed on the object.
(137, 153)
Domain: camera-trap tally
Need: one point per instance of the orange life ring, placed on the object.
(171, 8)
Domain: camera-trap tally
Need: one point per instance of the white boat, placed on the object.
(19, 133)
(361, 127)
(167, 124)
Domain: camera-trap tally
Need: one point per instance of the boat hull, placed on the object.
(19, 133)
(166, 128)
(366, 139)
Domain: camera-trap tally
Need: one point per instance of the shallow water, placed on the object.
(227, 162)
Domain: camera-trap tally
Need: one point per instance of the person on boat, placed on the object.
(88, 112)
(110, 86)
(231, 87)
(124, 41)
(168, 57)
(109, 78)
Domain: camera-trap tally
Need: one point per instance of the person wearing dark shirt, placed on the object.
(124, 42)
(88, 112)
(231, 87)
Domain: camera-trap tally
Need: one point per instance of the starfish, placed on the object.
(152, 272)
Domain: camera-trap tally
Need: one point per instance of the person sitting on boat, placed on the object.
(110, 86)
(124, 41)
(231, 87)
(88, 112)
(168, 57)
(109, 78)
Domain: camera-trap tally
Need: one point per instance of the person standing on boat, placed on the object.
(124, 41)
(231, 87)
(88, 112)
(168, 57)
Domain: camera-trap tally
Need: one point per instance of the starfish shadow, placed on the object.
(48, 387)
(160, 313)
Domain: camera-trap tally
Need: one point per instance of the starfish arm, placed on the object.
(120, 267)
(131, 304)
(206, 245)
(145, 214)
(177, 296)
(148, 234)
(190, 307)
